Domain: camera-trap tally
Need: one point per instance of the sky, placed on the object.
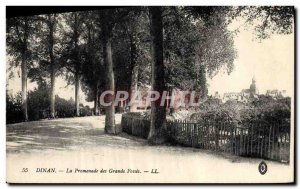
(270, 61)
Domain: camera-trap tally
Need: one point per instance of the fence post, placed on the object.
(231, 136)
(196, 134)
(241, 142)
(216, 128)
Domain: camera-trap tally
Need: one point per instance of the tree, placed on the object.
(76, 28)
(158, 113)
(93, 69)
(216, 51)
(51, 24)
(138, 35)
(131, 51)
(73, 53)
(107, 23)
(49, 53)
(19, 32)
(267, 20)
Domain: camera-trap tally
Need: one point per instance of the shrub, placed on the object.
(265, 109)
(39, 106)
(14, 112)
(85, 110)
(39, 103)
(142, 115)
(64, 108)
(227, 111)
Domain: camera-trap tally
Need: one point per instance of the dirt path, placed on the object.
(62, 134)
(80, 143)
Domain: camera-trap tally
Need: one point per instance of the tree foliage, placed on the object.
(268, 20)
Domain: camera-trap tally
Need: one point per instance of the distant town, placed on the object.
(249, 94)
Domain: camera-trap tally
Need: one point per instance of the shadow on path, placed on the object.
(64, 134)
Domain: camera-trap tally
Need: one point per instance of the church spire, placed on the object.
(253, 89)
(253, 79)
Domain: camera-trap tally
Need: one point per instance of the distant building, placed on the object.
(252, 91)
(276, 93)
(244, 96)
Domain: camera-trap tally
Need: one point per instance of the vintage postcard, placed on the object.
(161, 94)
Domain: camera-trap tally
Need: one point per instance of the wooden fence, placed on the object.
(258, 139)
(267, 140)
(136, 126)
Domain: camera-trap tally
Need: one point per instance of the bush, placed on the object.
(64, 108)
(85, 110)
(39, 103)
(39, 106)
(265, 109)
(226, 111)
(14, 112)
(142, 115)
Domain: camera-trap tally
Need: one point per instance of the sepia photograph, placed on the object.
(150, 94)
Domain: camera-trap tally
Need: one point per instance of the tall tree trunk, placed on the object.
(158, 113)
(106, 27)
(134, 87)
(52, 98)
(24, 87)
(52, 66)
(91, 59)
(24, 72)
(134, 69)
(96, 101)
(77, 86)
(77, 66)
(95, 105)
(172, 103)
(110, 126)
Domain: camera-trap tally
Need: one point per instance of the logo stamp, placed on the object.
(262, 168)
